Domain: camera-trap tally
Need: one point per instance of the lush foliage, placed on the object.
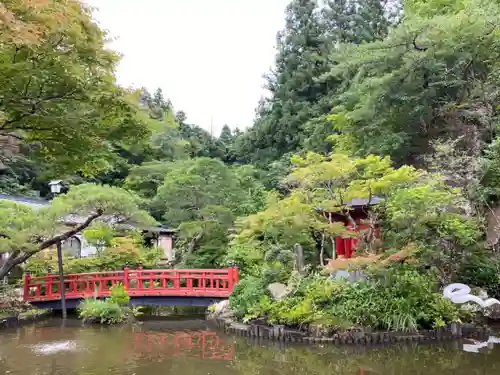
(122, 252)
(401, 299)
(112, 310)
(394, 103)
(25, 230)
(419, 216)
(58, 86)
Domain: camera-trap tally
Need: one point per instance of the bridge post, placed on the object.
(232, 276)
(26, 291)
(126, 281)
(235, 274)
(139, 276)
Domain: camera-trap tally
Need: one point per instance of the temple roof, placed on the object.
(358, 202)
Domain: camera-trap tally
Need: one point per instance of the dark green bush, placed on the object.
(246, 293)
(112, 310)
(481, 269)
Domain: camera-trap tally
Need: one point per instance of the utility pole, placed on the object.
(62, 287)
(55, 188)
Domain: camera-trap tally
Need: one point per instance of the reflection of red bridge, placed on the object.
(192, 344)
(182, 287)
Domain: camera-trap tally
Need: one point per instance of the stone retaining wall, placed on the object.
(280, 333)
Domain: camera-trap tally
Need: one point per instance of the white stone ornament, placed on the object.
(460, 293)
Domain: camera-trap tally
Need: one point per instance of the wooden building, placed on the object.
(355, 220)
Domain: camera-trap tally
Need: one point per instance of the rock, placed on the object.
(278, 290)
(220, 310)
(493, 312)
(351, 276)
(481, 293)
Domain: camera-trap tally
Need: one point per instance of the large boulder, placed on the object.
(278, 290)
(220, 309)
(493, 312)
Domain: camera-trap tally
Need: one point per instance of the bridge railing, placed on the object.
(140, 282)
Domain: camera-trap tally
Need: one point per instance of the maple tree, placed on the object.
(57, 85)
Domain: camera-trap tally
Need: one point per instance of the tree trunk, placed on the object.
(322, 253)
(15, 258)
(20, 256)
(299, 258)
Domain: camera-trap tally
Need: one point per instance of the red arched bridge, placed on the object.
(169, 287)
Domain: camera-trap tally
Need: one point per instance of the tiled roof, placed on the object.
(359, 202)
(356, 202)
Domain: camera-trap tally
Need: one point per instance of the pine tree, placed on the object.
(226, 136)
(300, 60)
(355, 21)
(345, 22)
(302, 92)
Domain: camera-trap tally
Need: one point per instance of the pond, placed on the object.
(192, 347)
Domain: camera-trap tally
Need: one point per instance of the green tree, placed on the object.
(301, 57)
(25, 231)
(99, 235)
(325, 184)
(434, 76)
(59, 91)
(346, 22)
(194, 184)
(226, 136)
(145, 179)
(301, 89)
(203, 243)
(226, 139)
(355, 21)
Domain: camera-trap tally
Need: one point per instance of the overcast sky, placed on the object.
(208, 56)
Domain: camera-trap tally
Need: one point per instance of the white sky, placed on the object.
(208, 56)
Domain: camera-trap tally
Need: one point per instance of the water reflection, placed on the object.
(194, 344)
(192, 348)
(475, 346)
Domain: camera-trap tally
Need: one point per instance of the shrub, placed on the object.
(112, 310)
(118, 294)
(404, 299)
(101, 311)
(10, 302)
(246, 293)
(481, 269)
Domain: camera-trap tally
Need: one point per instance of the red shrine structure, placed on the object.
(359, 209)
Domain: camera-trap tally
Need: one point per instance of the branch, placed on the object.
(72, 232)
(12, 135)
(34, 108)
(19, 256)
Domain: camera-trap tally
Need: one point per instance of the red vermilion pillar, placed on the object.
(230, 278)
(235, 275)
(348, 242)
(126, 281)
(339, 246)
